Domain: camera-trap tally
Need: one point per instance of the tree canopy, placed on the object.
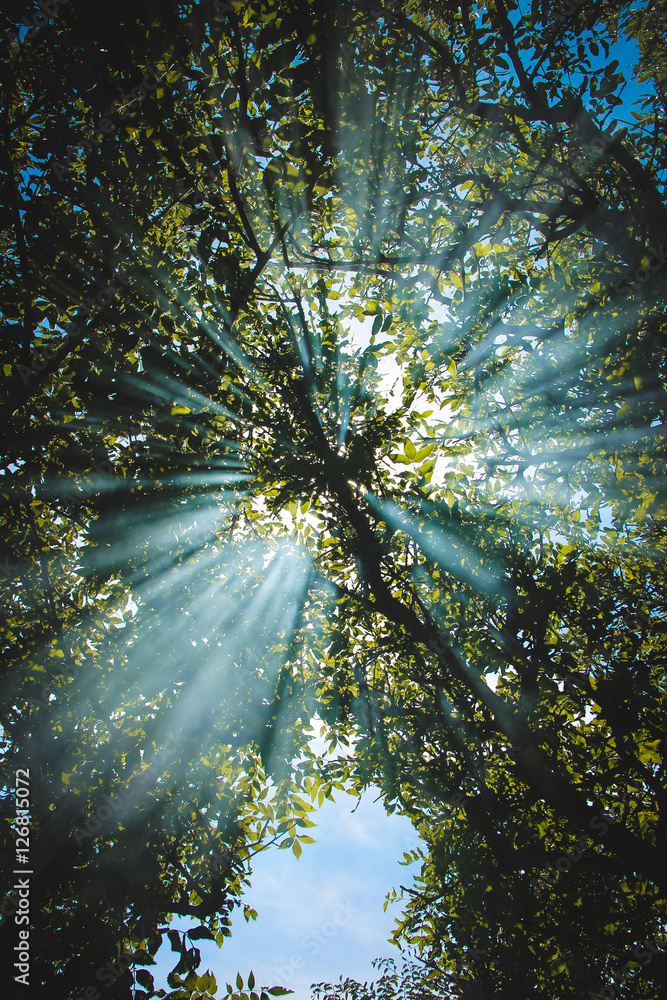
(333, 346)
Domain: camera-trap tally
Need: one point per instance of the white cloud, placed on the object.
(320, 916)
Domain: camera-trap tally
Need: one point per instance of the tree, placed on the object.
(215, 436)
(77, 698)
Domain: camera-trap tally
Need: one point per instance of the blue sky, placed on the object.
(334, 892)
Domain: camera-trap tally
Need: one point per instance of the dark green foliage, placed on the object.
(334, 383)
